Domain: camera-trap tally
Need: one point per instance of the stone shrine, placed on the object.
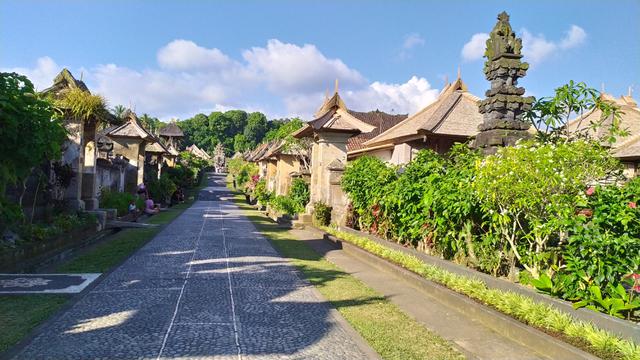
(504, 107)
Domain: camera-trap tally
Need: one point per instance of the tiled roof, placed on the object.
(382, 122)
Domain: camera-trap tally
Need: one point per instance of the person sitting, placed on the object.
(151, 208)
(133, 209)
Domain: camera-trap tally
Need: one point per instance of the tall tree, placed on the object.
(256, 128)
(118, 111)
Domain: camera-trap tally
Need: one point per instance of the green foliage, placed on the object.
(285, 205)
(617, 303)
(365, 180)
(281, 129)
(322, 213)
(119, 201)
(160, 190)
(241, 171)
(261, 193)
(299, 192)
(549, 114)
(82, 105)
(23, 111)
(523, 308)
(152, 124)
(529, 191)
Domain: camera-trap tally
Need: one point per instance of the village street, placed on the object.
(207, 286)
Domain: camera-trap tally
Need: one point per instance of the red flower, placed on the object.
(590, 191)
(633, 276)
(632, 204)
(636, 288)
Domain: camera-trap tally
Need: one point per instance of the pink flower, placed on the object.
(633, 276)
(632, 204)
(590, 191)
(636, 288)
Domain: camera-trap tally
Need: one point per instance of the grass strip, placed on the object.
(387, 329)
(19, 314)
(543, 316)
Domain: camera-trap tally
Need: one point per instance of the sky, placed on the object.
(173, 59)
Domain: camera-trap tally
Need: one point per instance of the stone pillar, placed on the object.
(504, 106)
(140, 163)
(73, 155)
(89, 186)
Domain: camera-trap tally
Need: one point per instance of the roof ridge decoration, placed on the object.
(504, 106)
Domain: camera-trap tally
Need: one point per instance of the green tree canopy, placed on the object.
(29, 130)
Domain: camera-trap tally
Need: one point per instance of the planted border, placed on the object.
(543, 316)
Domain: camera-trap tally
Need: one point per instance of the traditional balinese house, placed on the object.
(195, 150)
(330, 130)
(157, 156)
(80, 147)
(111, 169)
(289, 164)
(625, 148)
(172, 135)
(130, 140)
(453, 117)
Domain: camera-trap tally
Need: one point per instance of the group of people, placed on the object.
(150, 207)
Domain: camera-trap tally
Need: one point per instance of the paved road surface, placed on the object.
(208, 286)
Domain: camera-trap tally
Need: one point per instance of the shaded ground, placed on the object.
(207, 286)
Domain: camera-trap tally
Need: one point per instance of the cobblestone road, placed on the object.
(207, 287)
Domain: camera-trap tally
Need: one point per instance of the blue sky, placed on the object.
(174, 59)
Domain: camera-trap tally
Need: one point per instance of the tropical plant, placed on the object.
(23, 111)
(82, 105)
(299, 192)
(322, 213)
(530, 190)
(549, 115)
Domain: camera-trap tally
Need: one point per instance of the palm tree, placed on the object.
(147, 122)
(118, 111)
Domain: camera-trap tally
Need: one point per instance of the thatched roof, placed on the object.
(195, 150)
(156, 147)
(454, 113)
(333, 116)
(130, 129)
(624, 147)
(171, 130)
(64, 81)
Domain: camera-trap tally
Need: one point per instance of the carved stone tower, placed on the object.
(504, 106)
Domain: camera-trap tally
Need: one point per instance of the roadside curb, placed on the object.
(533, 338)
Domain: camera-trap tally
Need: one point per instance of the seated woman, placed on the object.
(151, 208)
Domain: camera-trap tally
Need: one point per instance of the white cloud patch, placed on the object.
(410, 42)
(281, 79)
(41, 75)
(187, 55)
(474, 48)
(535, 48)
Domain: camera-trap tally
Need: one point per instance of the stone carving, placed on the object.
(504, 106)
(219, 159)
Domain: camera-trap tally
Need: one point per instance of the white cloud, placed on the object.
(412, 40)
(535, 48)
(575, 36)
(41, 75)
(287, 68)
(408, 97)
(187, 55)
(279, 79)
(474, 48)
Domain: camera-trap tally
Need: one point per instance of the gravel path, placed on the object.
(208, 286)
